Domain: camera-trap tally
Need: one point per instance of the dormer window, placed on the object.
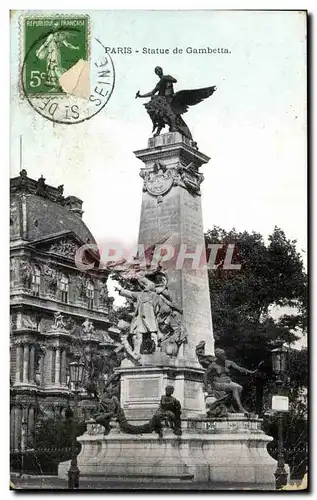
(63, 286)
(36, 281)
(90, 295)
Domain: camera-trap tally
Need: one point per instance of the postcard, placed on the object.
(158, 250)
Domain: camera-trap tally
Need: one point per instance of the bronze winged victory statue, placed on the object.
(166, 107)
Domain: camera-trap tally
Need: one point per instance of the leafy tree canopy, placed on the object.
(272, 274)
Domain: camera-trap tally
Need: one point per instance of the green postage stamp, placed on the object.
(65, 74)
(52, 45)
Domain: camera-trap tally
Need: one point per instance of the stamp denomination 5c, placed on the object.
(66, 75)
(52, 46)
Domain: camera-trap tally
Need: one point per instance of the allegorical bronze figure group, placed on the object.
(167, 106)
(168, 414)
(152, 317)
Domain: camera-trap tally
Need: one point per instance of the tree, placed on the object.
(271, 274)
(51, 444)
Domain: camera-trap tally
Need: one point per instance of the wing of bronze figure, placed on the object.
(184, 98)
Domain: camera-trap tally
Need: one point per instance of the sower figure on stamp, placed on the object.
(51, 51)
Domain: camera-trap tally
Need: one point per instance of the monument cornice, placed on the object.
(172, 145)
(20, 337)
(174, 370)
(57, 334)
(179, 151)
(21, 298)
(41, 391)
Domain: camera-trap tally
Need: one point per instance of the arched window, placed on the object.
(36, 281)
(63, 286)
(90, 295)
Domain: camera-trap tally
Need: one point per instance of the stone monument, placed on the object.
(171, 212)
(170, 315)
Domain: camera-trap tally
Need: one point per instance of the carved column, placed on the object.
(17, 427)
(24, 428)
(57, 366)
(12, 427)
(30, 426)
(32, 363)
(53, 359)
(42, 379)
(19, 354)
(47, 366)
(25, 363)
(63, 368)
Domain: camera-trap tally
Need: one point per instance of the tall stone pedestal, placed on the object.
(224, 454)
(171, 210)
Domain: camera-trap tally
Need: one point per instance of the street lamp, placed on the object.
(76, 369)
(24, 427)
(279, 366)
(279, 360)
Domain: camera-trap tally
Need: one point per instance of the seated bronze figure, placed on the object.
(218, 383)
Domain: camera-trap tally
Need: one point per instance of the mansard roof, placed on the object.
(39, 210)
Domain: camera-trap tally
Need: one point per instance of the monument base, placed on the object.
(142, 387)
(229, 451)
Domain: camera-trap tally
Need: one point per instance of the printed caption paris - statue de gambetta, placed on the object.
(167, 51)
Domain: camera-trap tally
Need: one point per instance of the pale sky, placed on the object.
(253, 127)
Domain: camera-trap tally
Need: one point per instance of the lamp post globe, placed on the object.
(279, 368)
(76, 370)
(279, 359)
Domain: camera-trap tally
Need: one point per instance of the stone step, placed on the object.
(140, 477)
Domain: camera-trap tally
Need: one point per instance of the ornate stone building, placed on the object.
(57, 310)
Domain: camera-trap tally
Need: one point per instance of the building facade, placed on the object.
(58, 311)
